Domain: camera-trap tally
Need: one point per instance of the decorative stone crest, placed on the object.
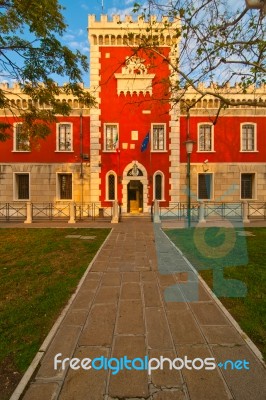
(134, 77)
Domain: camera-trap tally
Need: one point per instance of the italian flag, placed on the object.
(116, 144)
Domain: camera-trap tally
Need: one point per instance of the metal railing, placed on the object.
(179, 211)
(19, 211)
(256, 210)
(13, 211)
(223, 210)
(53, 211)
(92, 211)
(215, 211)
(42, 211)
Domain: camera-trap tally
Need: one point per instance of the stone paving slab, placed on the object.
(48, 391)
(64, 342)
(129, 383)
(130, 318)
(244, 384)
(85, 384)
(158, 333)
(166, 377)
(169, 395)
(128, 305)
(99, 327)
(202, 384)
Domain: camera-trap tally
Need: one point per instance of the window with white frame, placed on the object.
(205, 186)
(111, 186)
(158, 137)
(247, 186)
(21, 186)
(110, 137)
(205, 137)
(158, 186)
(64, 137)
(64, 183)
(21, 138)
(248, 137)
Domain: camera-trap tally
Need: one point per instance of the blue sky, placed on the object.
(76, 16)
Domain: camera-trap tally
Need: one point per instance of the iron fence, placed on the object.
(42, 211)
(92, 211)
(256, 210)
(13, 211)
(179, 211)
(223, 210)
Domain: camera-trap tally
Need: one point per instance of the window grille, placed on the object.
(65, 183)
(248, 136)
(246, 186)
(23, 187)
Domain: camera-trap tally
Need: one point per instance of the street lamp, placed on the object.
(189, 148)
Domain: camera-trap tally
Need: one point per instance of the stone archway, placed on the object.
(135, 188)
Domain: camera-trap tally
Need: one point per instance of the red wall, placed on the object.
(44, 150)
(226, 140)
(126, 110)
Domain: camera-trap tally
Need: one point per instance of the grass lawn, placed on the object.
(39, 270)
(244, 260)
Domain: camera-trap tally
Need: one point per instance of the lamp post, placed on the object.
(189, 148)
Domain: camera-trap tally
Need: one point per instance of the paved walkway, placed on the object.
(120, 310)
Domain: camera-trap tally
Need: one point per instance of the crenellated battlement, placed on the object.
(233, 93)
(117, 31)
(127, 19)
(19, 100)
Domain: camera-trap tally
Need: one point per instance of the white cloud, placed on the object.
(121, 12)
(81, 46)
(85, 7)
(68, 37)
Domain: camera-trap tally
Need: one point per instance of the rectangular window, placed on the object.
(64, 137)
(248, 137)
(65, 186)
(21, 139)
(22, 187)
(205, 137)
(204, 186)
(158, 137)
(247, 186)
(111, 137)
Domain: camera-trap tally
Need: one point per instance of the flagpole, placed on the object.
(151, 183)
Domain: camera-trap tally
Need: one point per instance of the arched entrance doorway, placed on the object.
(135, 197)
(135, 189)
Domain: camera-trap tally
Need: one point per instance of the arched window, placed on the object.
(158, 186)
(111, 186)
